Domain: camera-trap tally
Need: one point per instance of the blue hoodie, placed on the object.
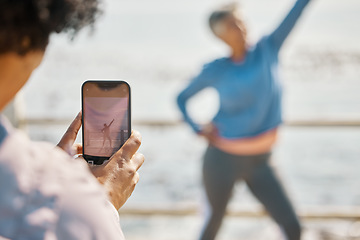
(250, 91)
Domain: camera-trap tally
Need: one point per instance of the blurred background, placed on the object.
(157, 46)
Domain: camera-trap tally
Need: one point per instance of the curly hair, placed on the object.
(26, 25)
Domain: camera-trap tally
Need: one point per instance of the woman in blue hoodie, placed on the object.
(242, 134)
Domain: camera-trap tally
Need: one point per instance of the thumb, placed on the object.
(129, 148)
(69, 137)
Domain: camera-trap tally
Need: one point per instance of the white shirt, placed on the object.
(45, 194)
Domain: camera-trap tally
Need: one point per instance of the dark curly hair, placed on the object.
(26, 25)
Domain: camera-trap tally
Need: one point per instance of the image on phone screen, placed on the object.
(106, 118)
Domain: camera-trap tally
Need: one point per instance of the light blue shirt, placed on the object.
(250, 92)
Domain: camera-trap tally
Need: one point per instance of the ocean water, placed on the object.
(157, 46)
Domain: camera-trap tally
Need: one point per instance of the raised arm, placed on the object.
(111, 122)
(278, 37)
(202, 81)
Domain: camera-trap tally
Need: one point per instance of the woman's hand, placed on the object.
(118, 175)
(210, 132)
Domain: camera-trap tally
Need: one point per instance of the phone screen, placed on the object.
(106, 118)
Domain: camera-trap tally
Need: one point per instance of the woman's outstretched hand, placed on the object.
(118, 175)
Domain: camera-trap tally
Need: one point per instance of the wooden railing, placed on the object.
(310, 213)
(170, 123)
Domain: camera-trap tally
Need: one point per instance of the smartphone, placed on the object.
(106, 118)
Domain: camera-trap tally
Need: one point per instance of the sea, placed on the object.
(158, 46)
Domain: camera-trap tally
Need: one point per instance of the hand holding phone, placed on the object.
(106, 118)
(119, 175)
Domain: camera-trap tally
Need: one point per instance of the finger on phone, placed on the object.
(75, 126)
(78, 148)
(130, 147)
(71, 133)
(138, 159)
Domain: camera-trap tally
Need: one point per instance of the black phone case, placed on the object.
(98, 160)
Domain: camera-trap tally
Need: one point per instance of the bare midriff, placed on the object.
(260, 144)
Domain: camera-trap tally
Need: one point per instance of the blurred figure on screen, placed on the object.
(242, 134)
(106, 133)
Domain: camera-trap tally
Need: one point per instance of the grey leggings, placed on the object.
(220, 172)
